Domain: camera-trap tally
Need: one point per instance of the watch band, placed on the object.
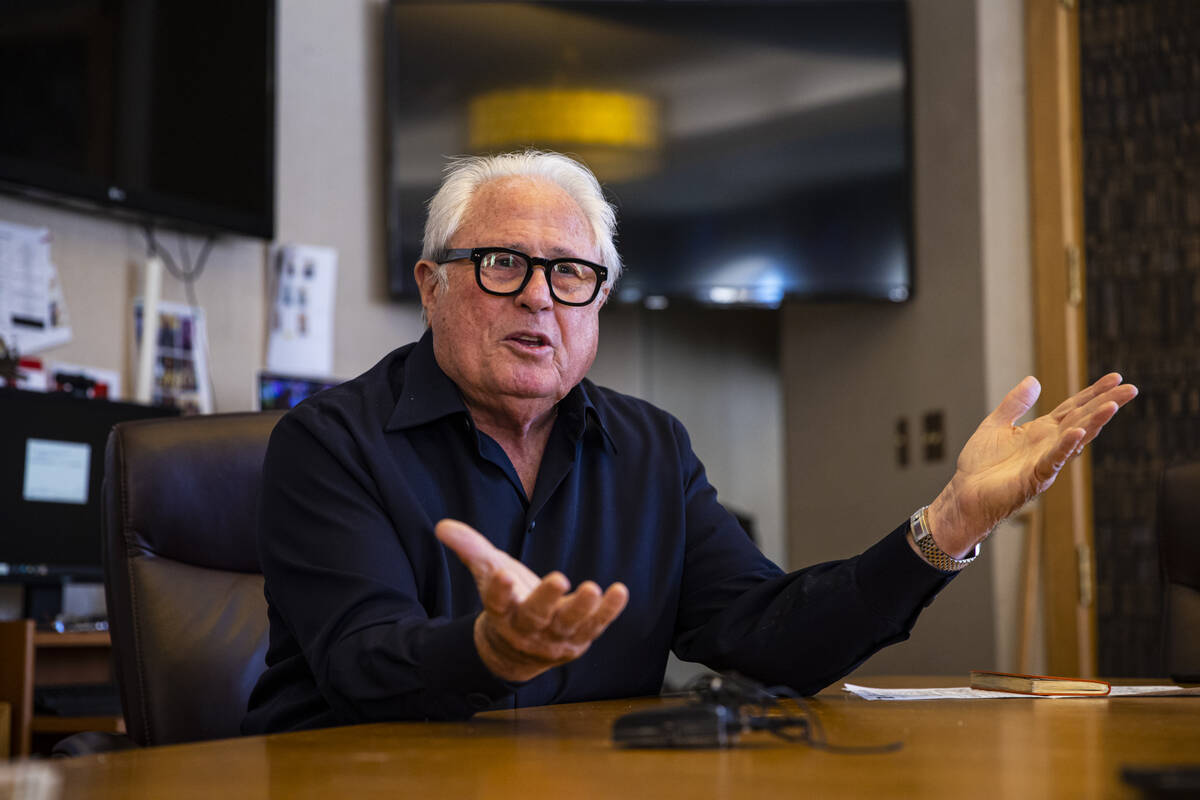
(936, 556)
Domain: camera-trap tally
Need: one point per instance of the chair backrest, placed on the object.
(1179, 552)
(184, 588)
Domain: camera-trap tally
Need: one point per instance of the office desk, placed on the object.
(1019, 748)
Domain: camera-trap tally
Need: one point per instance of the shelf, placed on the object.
(31, 658)
(79, 639)
(51, 724)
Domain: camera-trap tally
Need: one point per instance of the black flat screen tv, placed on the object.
(756, 151)
(158, 109)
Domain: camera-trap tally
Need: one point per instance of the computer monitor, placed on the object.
(281, 392)
(51, 467)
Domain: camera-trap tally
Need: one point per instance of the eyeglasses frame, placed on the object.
(475, 256)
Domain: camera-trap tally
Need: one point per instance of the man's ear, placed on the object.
(425, 273)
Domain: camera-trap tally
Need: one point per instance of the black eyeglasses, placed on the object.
(503, 272)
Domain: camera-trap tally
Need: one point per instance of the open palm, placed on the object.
(1004, 465)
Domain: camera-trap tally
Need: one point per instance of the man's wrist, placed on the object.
(948, 525)
(923, 542)
(501, 658)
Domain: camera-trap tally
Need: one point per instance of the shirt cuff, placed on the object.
(895, 581)
(454, 665)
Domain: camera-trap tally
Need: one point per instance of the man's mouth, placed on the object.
(529, 339)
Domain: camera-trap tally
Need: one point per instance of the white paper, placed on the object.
(33, 310)
(966, 693)
(22, 779)
(180, 357)
(301, 325)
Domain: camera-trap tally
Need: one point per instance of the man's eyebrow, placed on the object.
(553, 252)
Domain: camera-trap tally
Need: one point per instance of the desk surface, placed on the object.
(1020, 748)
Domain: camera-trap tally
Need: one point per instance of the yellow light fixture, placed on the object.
(617, 133)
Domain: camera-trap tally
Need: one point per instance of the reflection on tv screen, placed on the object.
(755, 151)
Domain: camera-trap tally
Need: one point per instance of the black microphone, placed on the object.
(721, 707)
(692, 725)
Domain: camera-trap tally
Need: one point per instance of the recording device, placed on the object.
(721, 707)
(694, 725)
(1165, 781)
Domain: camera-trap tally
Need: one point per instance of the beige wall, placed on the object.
(849, 372)
(718, 372)
(331, 165)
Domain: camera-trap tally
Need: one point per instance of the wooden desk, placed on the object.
(1018, 748)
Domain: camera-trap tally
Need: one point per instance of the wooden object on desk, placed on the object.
(1018, 747)
(30, 658)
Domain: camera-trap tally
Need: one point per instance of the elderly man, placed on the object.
(408, 514)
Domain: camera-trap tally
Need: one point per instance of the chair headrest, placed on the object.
(1179, 524)
(187, 488)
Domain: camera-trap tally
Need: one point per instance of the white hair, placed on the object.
(464, 176)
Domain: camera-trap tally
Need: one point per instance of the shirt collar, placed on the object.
(428, 394)
(582, 413)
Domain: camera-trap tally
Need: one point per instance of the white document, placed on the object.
(33, 311)
(966, 693)
(301, 324)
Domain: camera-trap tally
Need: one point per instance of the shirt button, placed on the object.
(532, 525)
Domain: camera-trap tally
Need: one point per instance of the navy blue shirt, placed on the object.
(371, 616)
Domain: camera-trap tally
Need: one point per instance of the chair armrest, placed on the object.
(92, 742)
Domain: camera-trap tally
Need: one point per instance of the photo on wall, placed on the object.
(181, 375)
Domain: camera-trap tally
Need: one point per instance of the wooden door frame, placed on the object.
(1056, 225)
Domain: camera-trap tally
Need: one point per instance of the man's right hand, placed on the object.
(528, 625)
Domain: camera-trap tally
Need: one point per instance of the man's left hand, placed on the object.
(1004, 465)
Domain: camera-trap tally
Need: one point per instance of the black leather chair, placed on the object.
(185, 594)
(1179, 552)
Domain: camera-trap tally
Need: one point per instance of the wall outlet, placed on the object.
(933, 435)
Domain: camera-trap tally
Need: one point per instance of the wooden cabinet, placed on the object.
(30, 658)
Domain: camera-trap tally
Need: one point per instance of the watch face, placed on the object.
(916, 525)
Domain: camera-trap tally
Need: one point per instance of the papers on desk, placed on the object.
(30, 780)
(964, 693)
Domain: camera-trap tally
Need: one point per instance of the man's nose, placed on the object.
(536, 294)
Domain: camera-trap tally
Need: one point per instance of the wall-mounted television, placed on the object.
(756, 151)
(161, 110)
